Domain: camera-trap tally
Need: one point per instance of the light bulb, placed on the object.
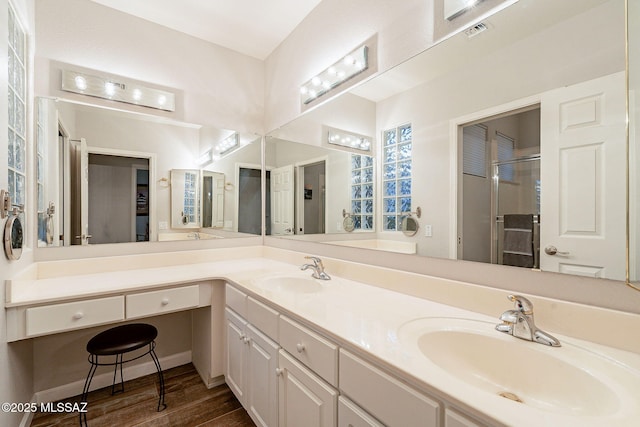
(81, 82)
(137, 94)
(316, 81)
(162, 99)
(109, 88)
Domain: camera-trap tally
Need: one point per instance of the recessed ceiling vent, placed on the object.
(475, 30)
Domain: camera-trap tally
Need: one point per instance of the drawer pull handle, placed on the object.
(79, 315)
(165, 301)
(242, 337)
(246, 340)
(300, 347)
(279, 371)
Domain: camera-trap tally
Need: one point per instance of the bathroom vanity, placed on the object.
(371, 346)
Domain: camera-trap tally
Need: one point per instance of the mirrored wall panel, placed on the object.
(510, 137)
(108, 176)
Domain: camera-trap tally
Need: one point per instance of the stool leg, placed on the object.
(85, 389)
(115, 374)
(161, 404)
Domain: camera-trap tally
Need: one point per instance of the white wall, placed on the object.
(335, 27)
(215, 86)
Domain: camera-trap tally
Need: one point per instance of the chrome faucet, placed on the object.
(519, 323)
(318, 268)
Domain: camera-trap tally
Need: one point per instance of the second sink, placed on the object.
(566, 380)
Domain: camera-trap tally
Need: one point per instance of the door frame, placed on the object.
(299, 191)
(455, 165)
(237, 167)
(151, 158)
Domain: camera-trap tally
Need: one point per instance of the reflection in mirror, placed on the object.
(185, 198)
(633, 17)
(538, 95)
(311, 188)
(126, 194)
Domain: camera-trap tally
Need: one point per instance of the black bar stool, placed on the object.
(116, 342)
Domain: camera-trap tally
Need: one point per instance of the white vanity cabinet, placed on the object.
(453, 418)
(251, 358)
(351, 415)
(304, 398)
(385, 397)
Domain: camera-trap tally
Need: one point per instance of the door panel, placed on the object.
(282, 208)
(583, 182)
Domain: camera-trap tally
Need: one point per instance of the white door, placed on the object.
(304, 399)
(262, 390)
(218, 200)
(235, 354)
(282, 210)
(582, 146)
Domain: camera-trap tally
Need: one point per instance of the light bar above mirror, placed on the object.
(117, 90)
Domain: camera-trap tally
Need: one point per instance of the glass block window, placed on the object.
(396, 179)
(474, 150)
(362, 191)
(191, 197)
(17, 108)
(506, 148)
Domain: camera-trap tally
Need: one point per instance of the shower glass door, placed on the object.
(516, 190)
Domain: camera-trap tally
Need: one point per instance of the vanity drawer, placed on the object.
(399, 405)
(163, 301)
(263, 317)
(351, 415)
(73, 315)
(311, 349)
(236, 300)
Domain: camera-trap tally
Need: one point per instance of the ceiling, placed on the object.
(251, 27)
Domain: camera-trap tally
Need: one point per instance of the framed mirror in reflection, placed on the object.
(501, 137)
(125, 194)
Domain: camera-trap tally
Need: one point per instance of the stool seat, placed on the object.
(122, 339)
(116, 342)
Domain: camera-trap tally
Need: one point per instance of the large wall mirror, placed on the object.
(109, 176)
(509, 136)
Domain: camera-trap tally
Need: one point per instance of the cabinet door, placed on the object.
(304, 399)
(235, 354)
(351, 415)
(262, 387)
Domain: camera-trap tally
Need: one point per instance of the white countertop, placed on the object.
(366, 318)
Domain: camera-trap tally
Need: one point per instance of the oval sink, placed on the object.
(568, 379)
(291, 284)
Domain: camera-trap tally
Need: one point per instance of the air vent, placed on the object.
(475, 30)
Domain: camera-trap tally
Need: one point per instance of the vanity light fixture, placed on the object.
(455, 8)
(348, 139)
(351, 65)
(117, 90)
(227, 145)
(206, 158)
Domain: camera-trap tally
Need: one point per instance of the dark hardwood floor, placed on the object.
(189, 403)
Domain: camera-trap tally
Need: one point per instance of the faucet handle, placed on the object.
(316, 261)
(522, 304)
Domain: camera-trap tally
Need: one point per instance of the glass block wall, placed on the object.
(17, 108)
(362, 184)
(396, 179)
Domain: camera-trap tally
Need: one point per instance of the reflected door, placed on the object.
(282, 208)
(583, 185)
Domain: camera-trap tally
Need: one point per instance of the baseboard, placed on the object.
(106, 379)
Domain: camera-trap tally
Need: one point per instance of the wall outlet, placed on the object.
(428, 232)
(163, 225)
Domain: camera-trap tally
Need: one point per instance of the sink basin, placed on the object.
(568, 380)
(291, 284)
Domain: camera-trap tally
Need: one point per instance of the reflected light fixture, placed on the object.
(227, 145)
(455, 8)
(119, 90)
(351, 65)
(348, 139)
(205, 158)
